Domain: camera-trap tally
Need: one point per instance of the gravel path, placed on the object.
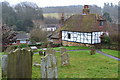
(108, 55)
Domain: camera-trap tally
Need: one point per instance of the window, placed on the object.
(69, 36)
(22, 41)
(101, 23)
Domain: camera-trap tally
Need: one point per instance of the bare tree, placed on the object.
(38, 35)
(8, 37)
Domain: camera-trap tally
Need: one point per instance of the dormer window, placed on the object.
(101, 23)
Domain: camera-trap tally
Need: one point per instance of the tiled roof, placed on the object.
(22, 36)
(84, 23)
(81, 23)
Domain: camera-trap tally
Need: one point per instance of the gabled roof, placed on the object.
(22, 36)
(55, 35)
(51, 25)
(83, 23)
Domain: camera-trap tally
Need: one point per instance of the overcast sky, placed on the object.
(46, 3)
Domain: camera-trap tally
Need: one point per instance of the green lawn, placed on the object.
(111, 52)
(3, 53)
(83, 65)
(72, 48)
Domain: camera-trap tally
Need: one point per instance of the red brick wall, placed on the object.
(18, 42)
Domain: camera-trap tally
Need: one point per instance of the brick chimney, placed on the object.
(62, 19)
(86, 9)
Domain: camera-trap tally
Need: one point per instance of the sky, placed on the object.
(47, 3)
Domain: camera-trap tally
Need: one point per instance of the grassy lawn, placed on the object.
(111, 52)
(83, 65)
(2, 53)
(72, 48)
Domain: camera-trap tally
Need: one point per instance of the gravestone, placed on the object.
(10, 49)
(63, 50)
(93, 50)
(64, 59)
(49, 67)
(50, 51)
(41, 53)
(44, 51)
(20, 64)
(4, 65)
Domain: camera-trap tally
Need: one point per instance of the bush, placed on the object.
(107, 40)
(23, 45)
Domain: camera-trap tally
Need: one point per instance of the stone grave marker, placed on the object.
(93, 50)
(63, 50)
(41, 53)
(49, 67)
(64, 59)
(20, 64)
(4, 65)
(50, 51)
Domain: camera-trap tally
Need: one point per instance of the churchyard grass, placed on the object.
(112, 52)
(71, 48)
(36, 70)
(82, 65)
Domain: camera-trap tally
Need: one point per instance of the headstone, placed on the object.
(10, 49)
(92, 51)
(50, 51)
(49, 67)
(63, 50)
(44, 51)
(64, 59)
(19, 64)
(4, 65)
(41, 53)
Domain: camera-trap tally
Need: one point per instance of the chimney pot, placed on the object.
(86, 9)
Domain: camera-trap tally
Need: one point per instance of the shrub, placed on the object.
(23, 45)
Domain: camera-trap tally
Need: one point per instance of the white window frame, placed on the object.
(23, 41)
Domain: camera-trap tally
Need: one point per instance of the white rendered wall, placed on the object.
(81, 37)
